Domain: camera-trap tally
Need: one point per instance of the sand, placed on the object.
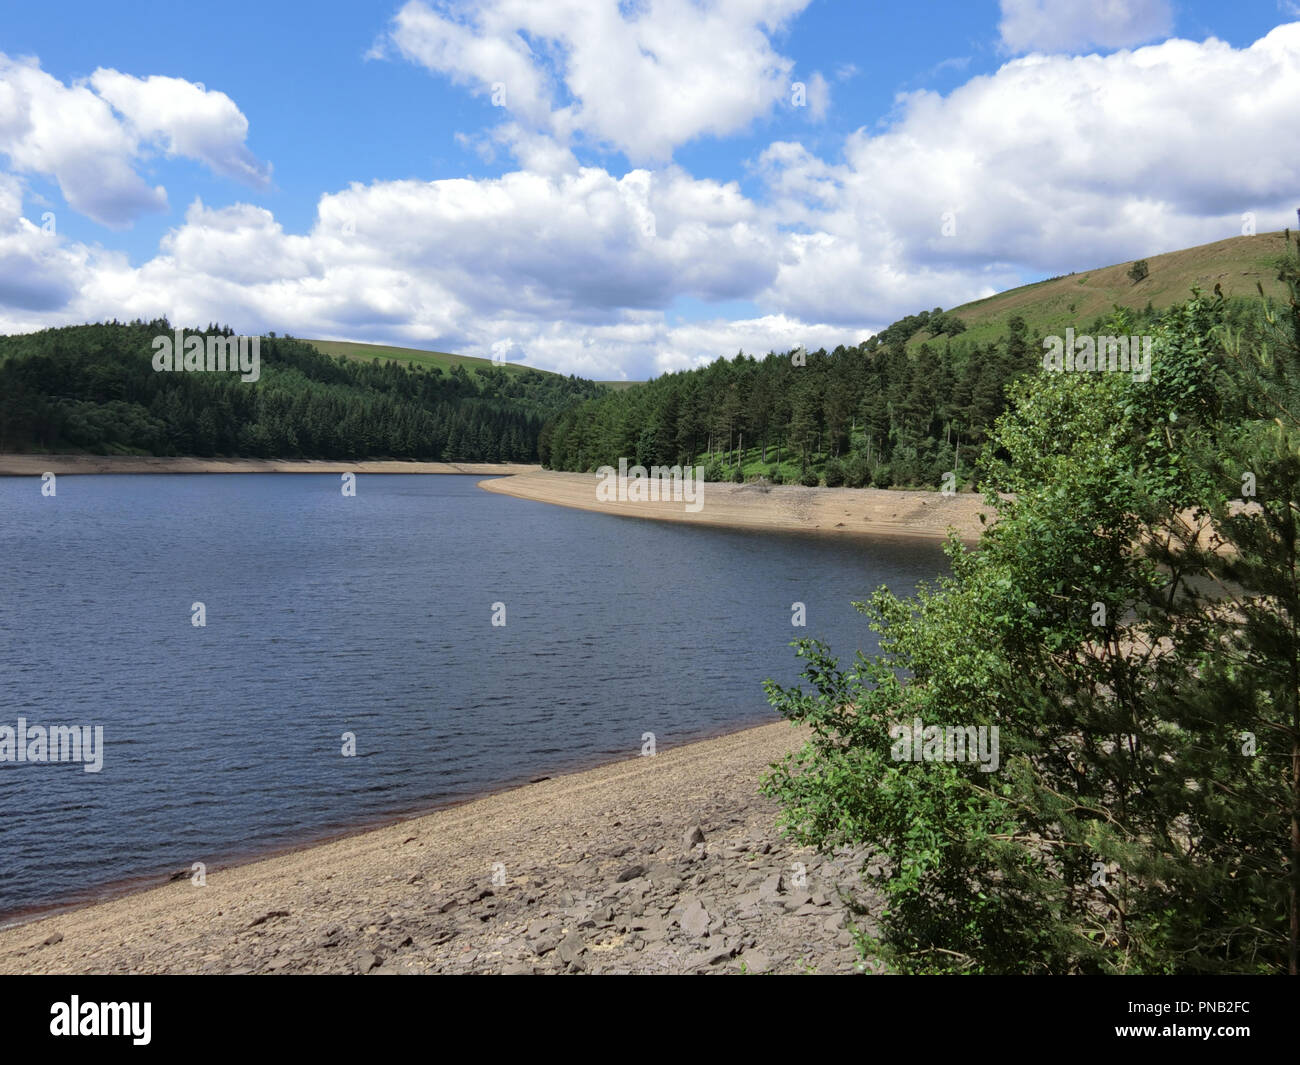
(839, 511)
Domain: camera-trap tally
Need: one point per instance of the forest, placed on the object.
(93, 388)
(883, 413)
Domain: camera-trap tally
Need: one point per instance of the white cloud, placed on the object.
(643, 81)
(70, 133)
(1073, 25)
(1051, 164)
(186, 119)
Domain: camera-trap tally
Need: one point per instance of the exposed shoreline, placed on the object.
(789, 508)
(67, 465)
(601, 868)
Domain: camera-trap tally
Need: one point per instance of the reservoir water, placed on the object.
(371, 616)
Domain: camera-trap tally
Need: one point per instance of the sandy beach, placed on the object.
(852, 511)
(662, 864)
(35, 465)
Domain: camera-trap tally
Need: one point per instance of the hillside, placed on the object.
(444, 360)
(1236, 264)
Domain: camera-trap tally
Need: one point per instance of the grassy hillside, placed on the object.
(1049, 306)
(419, 357)
(444, 360)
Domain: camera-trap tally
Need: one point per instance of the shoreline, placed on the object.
(857, 512)
(70, 465)
(115, 890)
(602, 869)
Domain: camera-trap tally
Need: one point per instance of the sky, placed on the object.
(620, 188)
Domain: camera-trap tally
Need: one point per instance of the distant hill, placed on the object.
(444, 360)
(1049, 306)
(419, 357)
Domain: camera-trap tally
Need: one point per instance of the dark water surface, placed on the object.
(370, 615)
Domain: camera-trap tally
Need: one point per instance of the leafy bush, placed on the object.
(857, 471)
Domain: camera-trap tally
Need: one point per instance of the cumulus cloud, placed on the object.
(186, 119)
(643, 79)
(89, 137)
(1073, 25)
(1050, 164)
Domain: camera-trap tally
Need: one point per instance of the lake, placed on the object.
(373, 616)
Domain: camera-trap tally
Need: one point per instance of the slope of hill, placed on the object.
(444, 360)
(1048, 307)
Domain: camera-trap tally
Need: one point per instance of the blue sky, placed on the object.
(652, 191)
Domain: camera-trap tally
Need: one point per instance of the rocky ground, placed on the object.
(664, 864)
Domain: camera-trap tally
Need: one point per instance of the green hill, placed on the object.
(444, 360)
(419, 357)
(1236, 264)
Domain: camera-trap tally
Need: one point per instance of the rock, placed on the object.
(366, 960)
(538, 926)
(267, 916)
(695, 919)
(755, 961)
(630, 873)
(50, 940)
(771, 888)
(694, 836)
(545, 944)
(571, 948)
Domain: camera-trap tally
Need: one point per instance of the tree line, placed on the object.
(880, 413)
